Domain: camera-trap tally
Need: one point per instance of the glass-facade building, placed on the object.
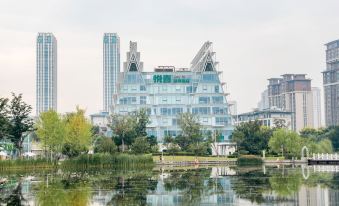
(111, 68)
(331, 84)
(167, 92)
(46, 74)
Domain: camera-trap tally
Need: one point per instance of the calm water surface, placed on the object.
(223, 185)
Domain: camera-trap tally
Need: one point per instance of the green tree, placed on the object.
(19, 120)
(142, 119)
(105, 145)
(190, 131)
(50, 129)
(251, 137)
(4, 119)
(123, 127)
(279, 123)
(289, 143)
(333, 135)
(78, 133)
(199, 148)
(140, 145)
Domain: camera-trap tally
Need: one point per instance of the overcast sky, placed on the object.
(253, 40)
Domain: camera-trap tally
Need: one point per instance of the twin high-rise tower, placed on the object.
(46, 72)
(111, 68)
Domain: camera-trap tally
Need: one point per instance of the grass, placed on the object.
(26, 164)
(189, 158)
(109, 161)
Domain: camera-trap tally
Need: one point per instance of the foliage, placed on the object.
(105, 145)
(123, 127)
(4, 119)
(287, 142)
(142, 120)
(127, 128)
(50, 129)
(249, 160)
(78, 133)
(152, 140)
(333, 135)
(190, 127)
(252, 137)
(279, 124)
(140, 146)
(71, 149)
(19, 120)
(199, 148)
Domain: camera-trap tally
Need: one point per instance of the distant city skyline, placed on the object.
(254, 40)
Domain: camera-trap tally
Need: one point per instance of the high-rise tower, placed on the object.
(331, 84)
(111, 67)
(46, 75)
(292, 93)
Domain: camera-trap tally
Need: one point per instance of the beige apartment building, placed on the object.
(293, 93)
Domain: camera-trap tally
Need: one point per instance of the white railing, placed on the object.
(326, 156)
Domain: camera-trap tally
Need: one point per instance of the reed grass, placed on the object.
(104, 160)
(26, 164)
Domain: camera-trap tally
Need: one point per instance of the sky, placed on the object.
(253, 39)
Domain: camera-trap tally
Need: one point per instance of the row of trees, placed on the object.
(130, 133)
(69, 134)
(253, 138)
(14, 120)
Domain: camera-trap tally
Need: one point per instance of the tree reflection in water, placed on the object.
(182, 186)
(69, 190)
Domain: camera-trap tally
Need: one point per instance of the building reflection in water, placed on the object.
(267, 185)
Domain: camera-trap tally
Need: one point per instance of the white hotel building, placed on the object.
(168, 91)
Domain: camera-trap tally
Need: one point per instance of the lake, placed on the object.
(217, 185)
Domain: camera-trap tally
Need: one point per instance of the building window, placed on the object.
(142, 88)
(221, 121)
(143, 100)
(216, 89)
(218, 100)
(189, 89)
(204, 100)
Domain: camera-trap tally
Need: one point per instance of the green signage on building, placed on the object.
(168, 79)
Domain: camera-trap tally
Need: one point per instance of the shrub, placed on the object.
(105, 145)
(249, 160)
(140, 145)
